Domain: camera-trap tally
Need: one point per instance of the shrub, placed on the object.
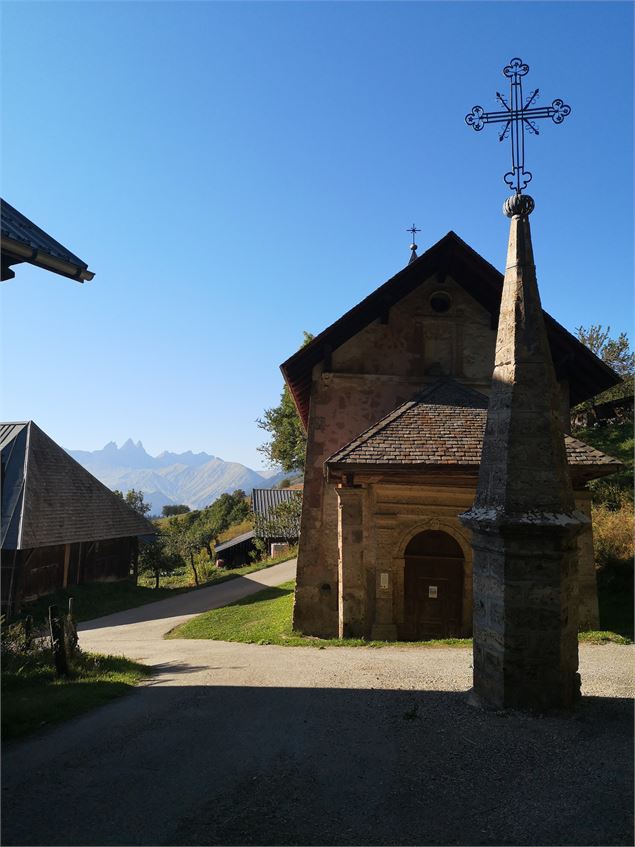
(613, 526)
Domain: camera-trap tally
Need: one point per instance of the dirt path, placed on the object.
(247, 744)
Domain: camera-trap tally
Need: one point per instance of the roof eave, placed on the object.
(26, 253)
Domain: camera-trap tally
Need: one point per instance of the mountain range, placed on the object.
(194, 479)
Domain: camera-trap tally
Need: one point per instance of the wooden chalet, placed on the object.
(269, 526)
(23, 241)
(60, 525)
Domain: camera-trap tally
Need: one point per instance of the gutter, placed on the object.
(24, 252)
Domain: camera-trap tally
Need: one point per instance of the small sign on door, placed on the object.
(432, 591)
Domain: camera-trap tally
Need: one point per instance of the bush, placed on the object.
(613, 526)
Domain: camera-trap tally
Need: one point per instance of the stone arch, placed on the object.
(434, 523)
(456, 532)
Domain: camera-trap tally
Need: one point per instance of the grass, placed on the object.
(266, 618)
(93, 600)
(33, 698)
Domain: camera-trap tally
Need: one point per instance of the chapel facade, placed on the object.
(394, 398)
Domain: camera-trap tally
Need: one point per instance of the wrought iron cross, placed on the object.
(413, 229)
(516, 117)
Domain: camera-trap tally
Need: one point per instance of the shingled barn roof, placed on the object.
(443, 427)
(264, 500)
(451, 256)
(23, 241)
(48, 498)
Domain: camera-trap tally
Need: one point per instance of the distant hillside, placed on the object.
(195, 479)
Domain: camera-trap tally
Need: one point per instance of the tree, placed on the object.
(169, 511)
(134, 499)
(287, 447)
(156, 558)
(282, 521)
(615, 352)
(183, 540)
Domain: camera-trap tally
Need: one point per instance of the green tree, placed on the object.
(616, 352)
(282, 521)
(287, 447)
(134, 499)
(169, 511)
(183, 540)
(157, 559)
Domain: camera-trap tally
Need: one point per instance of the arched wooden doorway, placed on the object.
(433, 586)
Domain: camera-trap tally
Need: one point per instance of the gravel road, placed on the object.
(247, 744)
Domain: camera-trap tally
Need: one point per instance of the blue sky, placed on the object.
(236, 173)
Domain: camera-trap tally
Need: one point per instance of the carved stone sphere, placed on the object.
(518, 204)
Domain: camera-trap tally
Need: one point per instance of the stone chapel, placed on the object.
(394, 398)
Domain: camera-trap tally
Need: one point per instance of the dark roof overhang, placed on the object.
(451, 256)
(23, 241)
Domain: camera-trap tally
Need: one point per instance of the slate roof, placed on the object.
(234, 542)
(22, 240)
(263, 500)
(587, 374)
(443, 426)
(48, 498)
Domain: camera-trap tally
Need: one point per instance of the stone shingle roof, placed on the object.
(48, 498)
(442, 426)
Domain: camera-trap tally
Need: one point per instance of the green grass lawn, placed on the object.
(32, 698)
(92, 600)
(265, 618)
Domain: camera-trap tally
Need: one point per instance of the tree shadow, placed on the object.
(189, 603)
(240, 765)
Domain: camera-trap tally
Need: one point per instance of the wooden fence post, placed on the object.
(57, 642)
(28, 633)
(70, 631)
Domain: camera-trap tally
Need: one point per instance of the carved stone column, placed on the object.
(524, 522)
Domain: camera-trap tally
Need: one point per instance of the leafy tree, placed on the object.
(287, 447)
(227, 510)
(169, 511)
(183, 540)
(616, 352)
(135, 500)
(156, 558)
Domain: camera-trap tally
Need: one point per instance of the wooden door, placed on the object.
(433, 587)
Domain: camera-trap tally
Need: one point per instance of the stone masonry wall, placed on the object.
(372, 373)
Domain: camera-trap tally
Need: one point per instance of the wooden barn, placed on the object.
(60, 525)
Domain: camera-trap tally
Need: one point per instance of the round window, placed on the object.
(440, 302)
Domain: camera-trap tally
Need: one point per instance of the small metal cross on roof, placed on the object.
(516, 117)
(413, 229)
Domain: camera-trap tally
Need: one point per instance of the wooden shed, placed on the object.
(60, 525)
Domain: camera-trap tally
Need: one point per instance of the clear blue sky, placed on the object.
(236, 173)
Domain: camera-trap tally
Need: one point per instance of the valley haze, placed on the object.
(193, 479)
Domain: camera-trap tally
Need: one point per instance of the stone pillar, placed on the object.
(588, 610)
(352, 585)
(524, 522)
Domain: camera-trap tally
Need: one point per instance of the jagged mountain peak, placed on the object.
(194, 479)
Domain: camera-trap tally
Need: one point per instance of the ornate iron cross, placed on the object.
(413, 229)
(516, 117)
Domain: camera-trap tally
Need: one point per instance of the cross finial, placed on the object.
(413, 229)
(516, 118)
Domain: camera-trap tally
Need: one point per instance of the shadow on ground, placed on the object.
(187, 603)
(222, 765)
